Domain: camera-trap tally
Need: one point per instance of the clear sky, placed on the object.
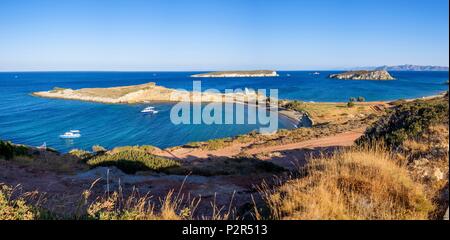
(221, 34)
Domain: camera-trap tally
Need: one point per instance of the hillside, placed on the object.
(398, 170)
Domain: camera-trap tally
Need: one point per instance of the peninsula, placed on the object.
(148, 92)
(235, 74)
(364, 75)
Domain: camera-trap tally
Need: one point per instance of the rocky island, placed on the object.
(364, 75)
(148, 92)
(234, 74)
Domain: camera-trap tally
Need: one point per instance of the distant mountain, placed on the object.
(412, 68)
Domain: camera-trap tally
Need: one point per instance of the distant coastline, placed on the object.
(406, 68)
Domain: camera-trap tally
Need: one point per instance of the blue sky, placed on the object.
(221, 34)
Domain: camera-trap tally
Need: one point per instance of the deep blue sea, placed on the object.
(30, 120)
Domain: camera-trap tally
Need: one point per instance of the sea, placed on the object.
(25, 119)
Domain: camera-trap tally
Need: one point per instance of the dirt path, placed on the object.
(288, 155)
(339, 140)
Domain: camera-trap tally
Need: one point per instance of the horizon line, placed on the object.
(162, 71)
(225, 69)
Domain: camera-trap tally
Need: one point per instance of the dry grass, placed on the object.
(44, 160)
(135, 207)
(115, 92)
(338, 112)
(352, 184)
(16, 207)
(227, 167)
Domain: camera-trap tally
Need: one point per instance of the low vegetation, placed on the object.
(81, 154)
(133, 160)
(173, 206)
(15, 208)
(409, 120)
(9, 150)
(227, 166)
(212, 145)
(353, 184)
(335, 113)
(144, 148)
(111, 206)
(417, 133)
(403, 174)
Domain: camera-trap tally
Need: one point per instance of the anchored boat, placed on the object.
(71, 134)
(149, 110)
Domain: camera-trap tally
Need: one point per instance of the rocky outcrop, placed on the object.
(234, 74)
(364, 75)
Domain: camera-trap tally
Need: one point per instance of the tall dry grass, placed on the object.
(359, 183)
(172, 206)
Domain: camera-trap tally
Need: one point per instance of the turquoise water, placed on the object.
(33, 121)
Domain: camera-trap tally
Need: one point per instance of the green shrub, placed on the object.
(216, 144)
(81, 154)
(132, 160)
(6, 150)
(350, 104)
(408, 121)
(295, 105)
(9, 151)
(144, 148)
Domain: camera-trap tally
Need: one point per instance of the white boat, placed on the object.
(71, 135)
(149, 110)
(316, 73)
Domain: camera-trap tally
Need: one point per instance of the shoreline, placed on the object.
(151, 93)
(294, 117)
